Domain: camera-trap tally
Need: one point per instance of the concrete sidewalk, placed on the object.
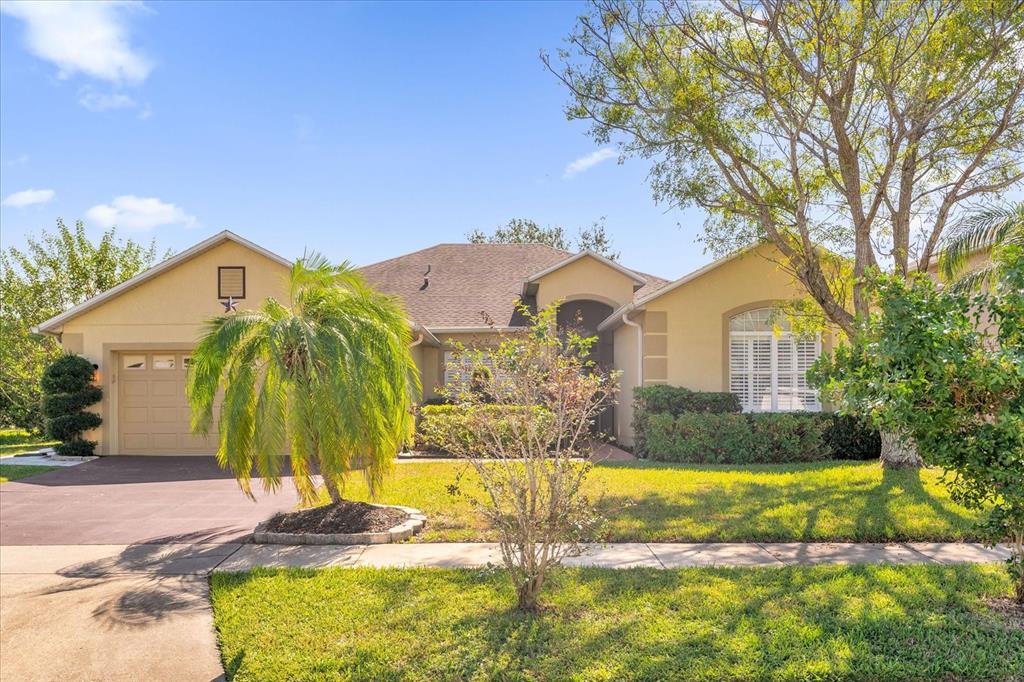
(97, 561)
(142, 611)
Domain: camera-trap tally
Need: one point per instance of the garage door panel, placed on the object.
(165, 415)
(132, 442)
(135, 415)
(153, 412)
(134, 388)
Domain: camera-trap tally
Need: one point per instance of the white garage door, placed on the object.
(153, 413)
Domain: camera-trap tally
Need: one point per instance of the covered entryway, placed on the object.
(153, 416)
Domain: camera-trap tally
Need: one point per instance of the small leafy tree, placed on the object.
(524, 231)
(532, 421)
(327, 377)
(54, 272)
(947, 367)
(68, 389)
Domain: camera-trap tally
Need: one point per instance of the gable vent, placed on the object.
(231, 282)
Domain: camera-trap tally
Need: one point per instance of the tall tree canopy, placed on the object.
(865, 127)
(524, 231)
(54, 272)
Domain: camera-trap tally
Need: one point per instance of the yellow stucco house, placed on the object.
(708, 330)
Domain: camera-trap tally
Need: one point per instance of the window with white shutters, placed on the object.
(462, 373)
(768, 365)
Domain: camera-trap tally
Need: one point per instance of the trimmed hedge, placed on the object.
(755, 438)
(675, 400)
(443, 428)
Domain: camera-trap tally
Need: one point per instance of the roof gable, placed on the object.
(52, 325)
(587, 253)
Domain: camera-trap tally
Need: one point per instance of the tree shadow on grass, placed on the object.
(861, 509)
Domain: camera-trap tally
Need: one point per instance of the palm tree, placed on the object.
(987, 230)
(329, 378)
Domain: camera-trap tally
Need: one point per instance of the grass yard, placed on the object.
(850, 623)
(12, 472)
(18, 441)
(651, 502)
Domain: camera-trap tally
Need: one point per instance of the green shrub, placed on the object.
(850, 437)
(698, 437)
(675, 400)
(440, 426)
(789, 436)
(67, 391)
(758, 438)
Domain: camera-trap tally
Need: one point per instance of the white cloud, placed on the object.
(130, 212)
(82, 37)
(28, 197)
(100, 101)
(589, 161)
(20, 160)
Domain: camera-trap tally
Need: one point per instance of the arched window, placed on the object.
(768, 364)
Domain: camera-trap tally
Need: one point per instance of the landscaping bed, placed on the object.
(343, 517)
(341, 523)
(652, 502)
(834, 622)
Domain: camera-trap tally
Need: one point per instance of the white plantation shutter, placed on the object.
(739, 364)
(768, 367)
(807, 351)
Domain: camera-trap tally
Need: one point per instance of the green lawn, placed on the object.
(12, 472)
(678, 503)
(851, 623)
(17, 441)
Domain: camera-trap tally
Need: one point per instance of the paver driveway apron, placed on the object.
(103, 567)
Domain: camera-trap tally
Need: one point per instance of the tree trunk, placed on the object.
(1016, 565)
(333, 491)
(528, 594)
(899, 451)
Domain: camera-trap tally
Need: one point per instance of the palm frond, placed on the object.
(980, 231)
(328, 377)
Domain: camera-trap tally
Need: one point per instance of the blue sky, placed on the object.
(361, 130)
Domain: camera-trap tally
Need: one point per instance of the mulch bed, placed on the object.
(343, 517)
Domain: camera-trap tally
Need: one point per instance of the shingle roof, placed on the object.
(468, 281)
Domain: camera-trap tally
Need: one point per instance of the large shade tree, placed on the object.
(864, 127)
(51, 273)
(327, 377)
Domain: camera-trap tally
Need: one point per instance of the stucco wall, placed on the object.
(685, 330)
(164, 313)
(586, 278)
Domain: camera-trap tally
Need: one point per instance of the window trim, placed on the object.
(220, 291)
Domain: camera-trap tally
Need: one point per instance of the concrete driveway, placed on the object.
(103, 567)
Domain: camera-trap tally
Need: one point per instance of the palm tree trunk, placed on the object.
(899, 451)
(333, 491)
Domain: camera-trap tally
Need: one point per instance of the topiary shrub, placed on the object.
(67, 391)
(675, 400)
